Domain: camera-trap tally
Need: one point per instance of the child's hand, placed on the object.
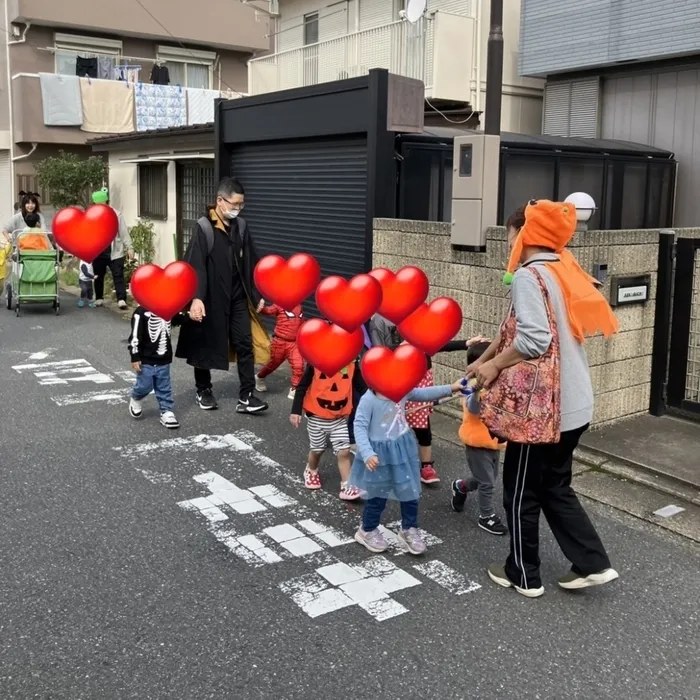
(457, 386)
(295, 420)
(261, 305)
(136, 366)
(372, 463)
(477, 339)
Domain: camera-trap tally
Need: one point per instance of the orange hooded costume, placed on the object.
(552, 225)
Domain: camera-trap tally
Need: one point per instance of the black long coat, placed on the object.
(206, 344)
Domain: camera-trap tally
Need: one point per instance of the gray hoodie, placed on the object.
(533, 338)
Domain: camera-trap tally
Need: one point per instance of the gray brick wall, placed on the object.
(564, 35)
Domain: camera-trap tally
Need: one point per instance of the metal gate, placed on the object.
(308, 196)
(196, 189)
(684, 365)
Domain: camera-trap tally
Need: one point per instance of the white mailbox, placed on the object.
(474, 189)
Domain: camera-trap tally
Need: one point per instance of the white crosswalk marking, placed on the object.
(59, 372)
(110, 397)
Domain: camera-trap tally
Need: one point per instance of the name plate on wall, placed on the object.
(630, 290)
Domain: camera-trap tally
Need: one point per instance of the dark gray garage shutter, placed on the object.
(307, 196)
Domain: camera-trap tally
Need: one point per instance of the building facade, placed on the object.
(318, 41)
(79, 38)
(622, 69)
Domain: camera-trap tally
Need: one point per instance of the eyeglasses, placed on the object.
(233, 205)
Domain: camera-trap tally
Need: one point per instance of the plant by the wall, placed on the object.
(143, 240)
(71, 179)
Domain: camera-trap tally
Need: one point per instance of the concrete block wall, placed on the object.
(620, 368)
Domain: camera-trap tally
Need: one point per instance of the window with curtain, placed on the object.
(153, 190)
(194, 75)
(67, 52)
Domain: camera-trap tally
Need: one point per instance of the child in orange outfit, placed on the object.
(483, 455)
(284, 345)
(327, 402)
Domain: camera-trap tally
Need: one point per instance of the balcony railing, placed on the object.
(400, 47)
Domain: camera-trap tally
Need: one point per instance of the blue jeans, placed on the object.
(154, 378)
(374, 508)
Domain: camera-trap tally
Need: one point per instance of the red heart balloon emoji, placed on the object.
(429, 327)
(393, 374)
(349, 304)
(328, 347)
(287, 282)
(85, 234)
(164, 292)
(402, 293)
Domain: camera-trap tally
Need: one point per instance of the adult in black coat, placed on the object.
(222, 253)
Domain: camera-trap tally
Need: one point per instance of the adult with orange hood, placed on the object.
(538, 396)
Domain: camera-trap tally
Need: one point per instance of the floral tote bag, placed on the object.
(524, 404)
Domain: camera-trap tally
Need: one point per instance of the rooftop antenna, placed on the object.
(415, 9)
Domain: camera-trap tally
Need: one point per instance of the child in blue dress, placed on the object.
(387, 464)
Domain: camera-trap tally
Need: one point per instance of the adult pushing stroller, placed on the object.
(34, 277)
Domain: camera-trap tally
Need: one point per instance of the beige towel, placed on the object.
(108, 106)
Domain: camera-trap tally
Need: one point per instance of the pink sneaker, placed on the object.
(349, 493)
(312, 480)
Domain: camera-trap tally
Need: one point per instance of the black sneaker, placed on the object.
(459, 498)
(493, 525)
(206, 400)
(251, 404)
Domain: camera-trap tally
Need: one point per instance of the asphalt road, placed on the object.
(110, 589)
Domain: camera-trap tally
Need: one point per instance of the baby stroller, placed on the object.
(34, 277)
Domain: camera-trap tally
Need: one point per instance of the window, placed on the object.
(188, 67)
(311, 28)
(70, 47)
(153, 190)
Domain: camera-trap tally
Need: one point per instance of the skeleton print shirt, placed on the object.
(149, 342)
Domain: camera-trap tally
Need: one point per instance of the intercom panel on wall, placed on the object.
(474, 189)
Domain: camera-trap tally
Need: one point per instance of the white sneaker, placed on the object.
(121, 304)
(167, 419)
(260, 385)
(291, 393)
(135, 408)
(99, 302)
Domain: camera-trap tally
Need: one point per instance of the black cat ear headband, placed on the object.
(22, 193)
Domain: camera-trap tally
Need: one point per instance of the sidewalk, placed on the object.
(668, 447)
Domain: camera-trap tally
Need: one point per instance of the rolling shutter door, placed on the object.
(572, 108)
(374, 13)
(307, 196)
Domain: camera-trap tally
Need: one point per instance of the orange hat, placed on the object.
(552, 225)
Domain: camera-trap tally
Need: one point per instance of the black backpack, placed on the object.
(205, 225)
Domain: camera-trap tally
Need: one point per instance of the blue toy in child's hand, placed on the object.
(468, 387)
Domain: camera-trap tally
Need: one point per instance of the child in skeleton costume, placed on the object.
(151, 356)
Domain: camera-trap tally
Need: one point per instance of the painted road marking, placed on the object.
(331, 584)
(448, 578)
(50, 373)
(110, 397)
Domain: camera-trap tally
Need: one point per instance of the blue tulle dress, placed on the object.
(381, 430)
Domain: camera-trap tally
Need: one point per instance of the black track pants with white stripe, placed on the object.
(538, 478)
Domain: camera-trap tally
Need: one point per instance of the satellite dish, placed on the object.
(415, 9)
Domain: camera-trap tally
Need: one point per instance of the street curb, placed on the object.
(109, 305)
(592, 459)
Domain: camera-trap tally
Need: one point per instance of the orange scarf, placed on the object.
(552, 225)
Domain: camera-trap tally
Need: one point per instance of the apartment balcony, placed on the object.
(129, 114)
(438, 50)
(225, 24)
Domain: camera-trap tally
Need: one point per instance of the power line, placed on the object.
(184, 48)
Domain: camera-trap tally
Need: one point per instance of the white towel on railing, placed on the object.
(60, 97)
(108, 106)
(200, 105)
(160, 106)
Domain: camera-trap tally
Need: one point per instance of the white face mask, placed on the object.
(232, 214)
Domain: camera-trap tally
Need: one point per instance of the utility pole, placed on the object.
(494, 70)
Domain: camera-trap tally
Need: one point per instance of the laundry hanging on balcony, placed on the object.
(108, 106)
(200, 105)
(86, 67)
(160, 106)
(60, 97)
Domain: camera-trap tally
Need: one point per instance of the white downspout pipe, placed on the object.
(10, 106)
(477, 62)
(26, 155)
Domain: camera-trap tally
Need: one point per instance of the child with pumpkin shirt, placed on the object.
(328, 404)
(483, 455)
